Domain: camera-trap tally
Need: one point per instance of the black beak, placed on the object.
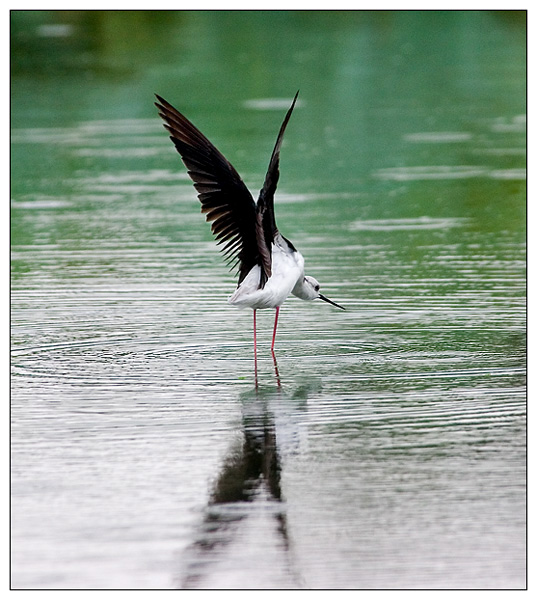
(330, 301)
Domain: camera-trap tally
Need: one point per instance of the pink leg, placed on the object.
(275, 325)
(278, 381)
(255, 351)
(255, 340)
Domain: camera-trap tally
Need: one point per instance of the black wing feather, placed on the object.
(266, 222)
(224, 198)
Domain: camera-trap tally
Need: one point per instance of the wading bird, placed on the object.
(270, 267)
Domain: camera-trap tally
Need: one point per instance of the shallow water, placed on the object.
(386, 446)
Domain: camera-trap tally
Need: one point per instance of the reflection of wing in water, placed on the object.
(243, 540)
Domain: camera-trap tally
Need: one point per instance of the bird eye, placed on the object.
(317, 287)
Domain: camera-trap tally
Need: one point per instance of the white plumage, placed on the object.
(287, 272)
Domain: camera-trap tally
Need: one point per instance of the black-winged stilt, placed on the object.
(270, 267)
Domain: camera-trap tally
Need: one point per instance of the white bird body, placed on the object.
(287, 272)
(270, 267)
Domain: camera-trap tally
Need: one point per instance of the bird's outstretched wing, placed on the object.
(224, 197)
(266, 229)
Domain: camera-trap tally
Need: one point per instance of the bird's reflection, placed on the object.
(250, 478)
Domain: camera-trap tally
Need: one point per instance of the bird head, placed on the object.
(310, 290)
